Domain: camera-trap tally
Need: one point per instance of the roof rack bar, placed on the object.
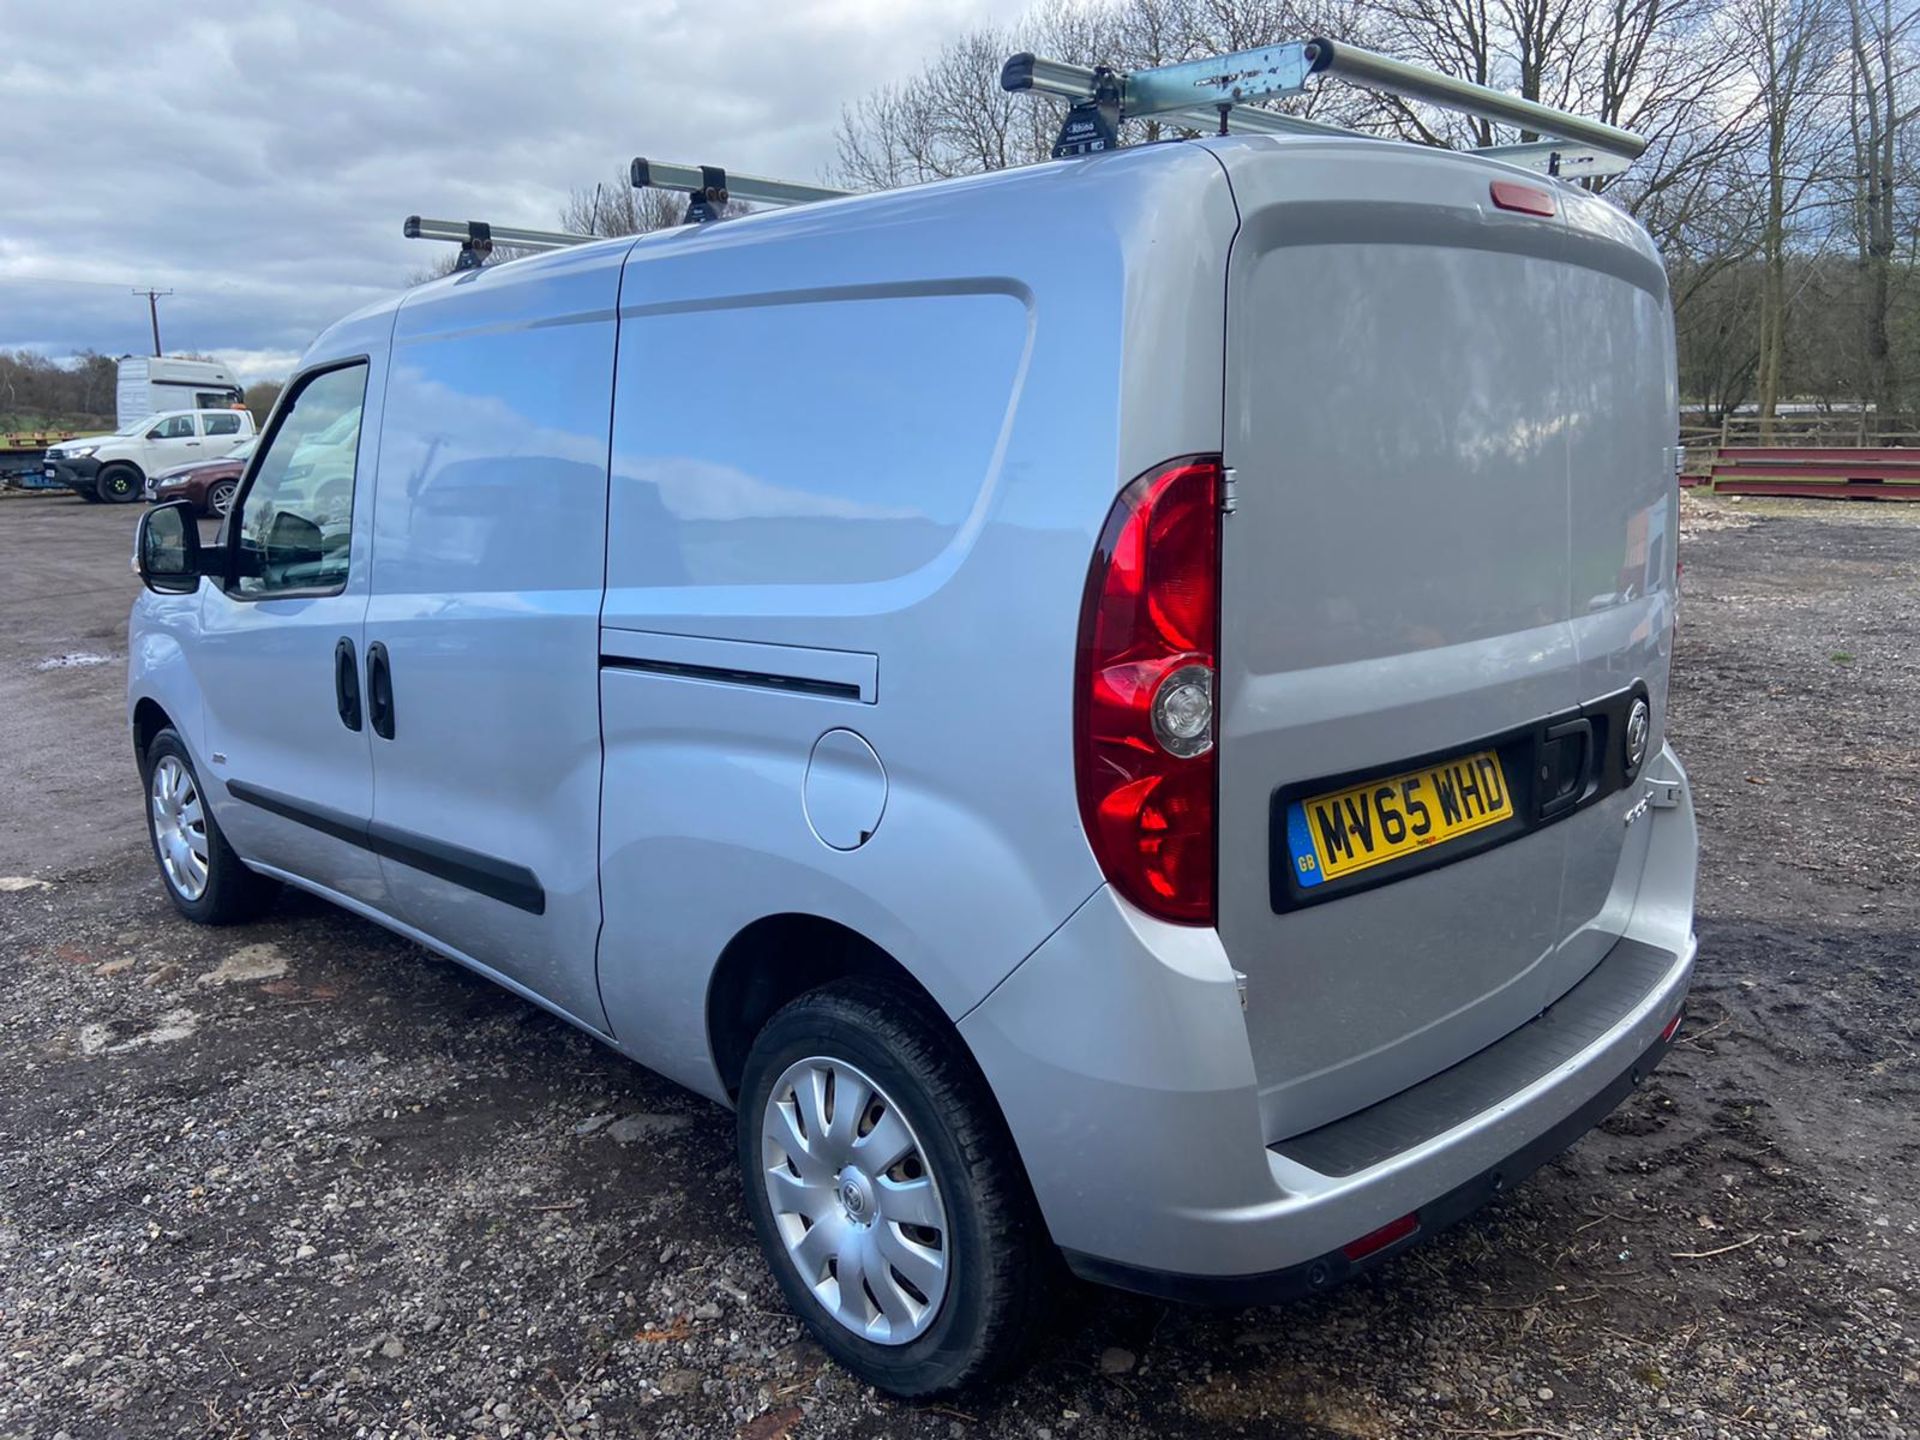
(1080, 82)
(481, 234)
(1567, 160)
(1195, 92)
(1236, 79)
(1396, 77)
(1244, 121)
(709, 179)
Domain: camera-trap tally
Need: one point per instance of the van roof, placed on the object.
(1107, 174)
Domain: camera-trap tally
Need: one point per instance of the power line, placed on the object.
(153, 311)
(61, 280)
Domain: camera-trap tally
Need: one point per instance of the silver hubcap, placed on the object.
(222, 498)
(179, 828)
(855, 1200)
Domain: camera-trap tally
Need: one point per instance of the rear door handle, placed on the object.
(346, 683)
(379, 691)
(1562, 790)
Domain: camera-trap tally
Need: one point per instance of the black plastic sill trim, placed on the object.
(760, 679)
(496, 879)
(1310, 1277)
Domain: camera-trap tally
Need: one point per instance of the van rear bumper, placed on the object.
(1307, 1277)
(1120, 1057)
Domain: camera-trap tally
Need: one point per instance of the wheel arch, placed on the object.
(149, 719)
(777, 959)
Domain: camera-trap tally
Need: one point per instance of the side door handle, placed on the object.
(346, 683)
(379, 691)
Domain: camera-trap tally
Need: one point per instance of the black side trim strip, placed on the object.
(760, 679)
(336, 823)
(500, 880)
(496, 879)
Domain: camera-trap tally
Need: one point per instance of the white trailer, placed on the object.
(150, 384)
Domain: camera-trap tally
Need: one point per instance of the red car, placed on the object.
(209, 484)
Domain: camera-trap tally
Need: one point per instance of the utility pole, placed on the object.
(153, 312)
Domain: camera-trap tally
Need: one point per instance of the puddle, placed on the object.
(248, 963)
(75, 660)
(101, 1039)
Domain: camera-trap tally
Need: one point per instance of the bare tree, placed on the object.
(620, 209)
(1877, 37)
(1775, 131)
(1786, 48)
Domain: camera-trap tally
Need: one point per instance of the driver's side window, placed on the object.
(174, 427)
(295, 524)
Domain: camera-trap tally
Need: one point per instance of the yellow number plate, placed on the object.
(1346, 831)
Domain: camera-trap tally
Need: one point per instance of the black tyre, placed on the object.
(203, 877)
(220, 497)
(119, 484)
(873, 1153)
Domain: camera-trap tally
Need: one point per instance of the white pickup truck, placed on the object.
(115, 467)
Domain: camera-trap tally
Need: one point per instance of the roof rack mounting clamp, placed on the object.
(708, 188)
(707, 200)
(1093, 122)
(478, 247)
(476, 238)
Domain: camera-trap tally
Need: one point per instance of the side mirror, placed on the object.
(154, 434)
(166, 550)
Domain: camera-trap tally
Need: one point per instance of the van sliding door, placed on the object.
(483, 627)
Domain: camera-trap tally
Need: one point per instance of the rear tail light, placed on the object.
(1149, 632)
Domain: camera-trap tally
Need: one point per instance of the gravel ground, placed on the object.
(304, 1179)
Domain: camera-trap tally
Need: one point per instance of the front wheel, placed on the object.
(118, 484)
(205, 880)
(220, 497)
(886, 1193)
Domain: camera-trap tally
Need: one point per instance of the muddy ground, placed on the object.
(304, 1179)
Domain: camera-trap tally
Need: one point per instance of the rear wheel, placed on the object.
(220, 497)
(118, 484)
(886, 1193)
(204, 878)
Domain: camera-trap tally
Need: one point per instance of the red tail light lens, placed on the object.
(1510, 195)
(1148, 636)
(1390, 1233)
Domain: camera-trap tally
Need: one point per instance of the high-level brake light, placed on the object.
(1523, 199)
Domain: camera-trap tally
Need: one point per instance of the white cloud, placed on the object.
(258, 162)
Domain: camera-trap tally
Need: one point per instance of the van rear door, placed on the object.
(1412, 371)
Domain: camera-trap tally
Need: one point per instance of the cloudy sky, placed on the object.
(259, 164)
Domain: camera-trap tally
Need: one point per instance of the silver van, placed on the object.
(1111, 711)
